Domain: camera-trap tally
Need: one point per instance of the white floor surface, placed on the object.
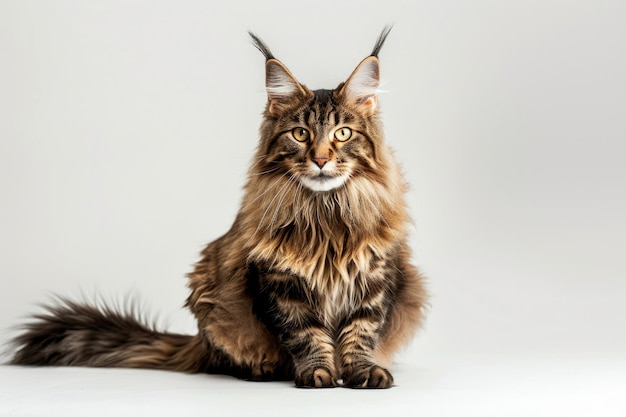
(462, 387)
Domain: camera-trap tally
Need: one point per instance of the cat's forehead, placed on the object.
(323, 108)
(323, 96)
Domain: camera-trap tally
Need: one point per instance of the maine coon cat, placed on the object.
(313, 281)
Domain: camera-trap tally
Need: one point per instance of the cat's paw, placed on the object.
(319, 377)
(275, 367)
(367, 376)
(263, 372)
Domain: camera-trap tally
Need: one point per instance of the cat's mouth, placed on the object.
(323, 182)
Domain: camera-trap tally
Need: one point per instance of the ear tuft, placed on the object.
(381, 40)
(361, 88)
(282, 87)
(261, 46)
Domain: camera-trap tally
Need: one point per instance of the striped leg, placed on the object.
(358, 338)
(357, 341)
(286, 306)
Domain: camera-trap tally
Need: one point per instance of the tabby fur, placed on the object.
(313, 282)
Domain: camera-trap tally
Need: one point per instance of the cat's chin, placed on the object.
(322, 183)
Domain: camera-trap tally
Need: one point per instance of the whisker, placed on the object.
(269, 171)
(264, 192)
(346, 202)
(290, 180)
(366, 195)
(258, 161)
(297, 200)
(272, 202)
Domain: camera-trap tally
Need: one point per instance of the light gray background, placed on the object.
(126, 129)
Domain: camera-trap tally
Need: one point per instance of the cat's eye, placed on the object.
(301, 134)
(343, 134)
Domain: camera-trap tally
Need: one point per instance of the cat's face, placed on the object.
(321, 139)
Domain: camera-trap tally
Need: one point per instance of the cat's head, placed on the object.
(322, 139)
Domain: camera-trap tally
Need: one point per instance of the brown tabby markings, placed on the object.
(312, 281)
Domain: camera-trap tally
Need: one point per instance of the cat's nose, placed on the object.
(320, 161)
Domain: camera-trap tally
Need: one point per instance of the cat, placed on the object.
(312, 283)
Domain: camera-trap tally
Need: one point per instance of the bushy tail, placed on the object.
(76, 334)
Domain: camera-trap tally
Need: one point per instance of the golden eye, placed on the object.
(301, 134)
(343, 134)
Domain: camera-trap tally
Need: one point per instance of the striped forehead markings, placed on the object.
(322, 109)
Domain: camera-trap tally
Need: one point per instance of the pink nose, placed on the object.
(320, 162)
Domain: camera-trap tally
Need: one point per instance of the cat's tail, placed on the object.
(77, 334)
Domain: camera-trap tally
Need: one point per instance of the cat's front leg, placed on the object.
(285, 304)
(358, 337)
(313, 354)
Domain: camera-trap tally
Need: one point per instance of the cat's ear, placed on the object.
(282, 87)
(361, 88)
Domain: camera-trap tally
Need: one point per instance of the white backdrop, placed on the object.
(126, 128)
